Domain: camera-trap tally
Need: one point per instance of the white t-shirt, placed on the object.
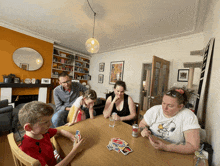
(170, 129)
(77, 102)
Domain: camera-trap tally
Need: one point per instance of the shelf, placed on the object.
(81, 67)
(13, 85)
(80, 72)
(81, 61)
(63, 63)
(60, 69)
(60, 56)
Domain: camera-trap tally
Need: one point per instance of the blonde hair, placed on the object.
(90, 94)
(33, 111)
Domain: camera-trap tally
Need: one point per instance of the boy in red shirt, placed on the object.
(35, 117)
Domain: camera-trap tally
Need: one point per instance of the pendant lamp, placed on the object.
(92, 45)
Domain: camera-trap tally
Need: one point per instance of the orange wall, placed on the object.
(10, 41)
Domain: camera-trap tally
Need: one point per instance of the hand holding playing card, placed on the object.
(157, 144)
(145, 132)
(78, 145)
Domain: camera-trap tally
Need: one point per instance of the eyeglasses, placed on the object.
(67, 82)
(172, 93)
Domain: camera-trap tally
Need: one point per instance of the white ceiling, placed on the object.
(119, 23)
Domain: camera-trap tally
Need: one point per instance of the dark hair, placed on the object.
(182, 94)
(31, 112)
(90, 94)
(120, 83)
(63, 74)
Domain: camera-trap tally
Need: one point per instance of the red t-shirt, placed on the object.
(41, 150)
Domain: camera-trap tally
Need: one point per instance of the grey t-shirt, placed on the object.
(64, 98)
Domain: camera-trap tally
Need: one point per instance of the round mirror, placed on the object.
(27, 59)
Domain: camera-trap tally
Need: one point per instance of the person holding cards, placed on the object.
(120, 103)
(35, 118)
(82, 108)
(173, 123)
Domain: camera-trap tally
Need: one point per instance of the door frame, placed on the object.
(141, 84)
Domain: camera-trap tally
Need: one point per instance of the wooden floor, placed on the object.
(6, 158)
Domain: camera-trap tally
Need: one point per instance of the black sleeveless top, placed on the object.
(125, 110)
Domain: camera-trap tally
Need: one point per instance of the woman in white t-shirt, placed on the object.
(173, 123)
(82, 108)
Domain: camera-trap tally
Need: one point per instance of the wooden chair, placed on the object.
(20, 158)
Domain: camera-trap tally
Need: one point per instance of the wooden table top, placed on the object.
(98, 134)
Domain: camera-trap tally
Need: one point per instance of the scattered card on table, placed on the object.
(126, 150)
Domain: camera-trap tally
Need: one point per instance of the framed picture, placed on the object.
(24, 66)
(116, 71)
(183, 75)
(100, 78)
(101, 67)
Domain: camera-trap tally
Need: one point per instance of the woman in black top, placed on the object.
(120, 103)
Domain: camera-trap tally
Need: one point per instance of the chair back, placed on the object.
(20, 157)
(71, 113)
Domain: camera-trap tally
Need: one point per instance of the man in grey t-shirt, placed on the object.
(64, 96)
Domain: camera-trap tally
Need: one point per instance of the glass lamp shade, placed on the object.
(92, 45)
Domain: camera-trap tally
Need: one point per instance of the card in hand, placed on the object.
(77, 136)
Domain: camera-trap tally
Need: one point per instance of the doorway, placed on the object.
(145, 85)
(154, 83)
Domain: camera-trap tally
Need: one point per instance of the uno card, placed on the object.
(116, 149)
(109, 146)
(77, 136)
(77, 132)
(126, 150)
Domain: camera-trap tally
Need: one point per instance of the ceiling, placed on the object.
(119, 23)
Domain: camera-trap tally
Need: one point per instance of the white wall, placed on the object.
(175, 50)
(212, 29)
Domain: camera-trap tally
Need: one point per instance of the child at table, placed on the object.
(35, 117)
(82, 108)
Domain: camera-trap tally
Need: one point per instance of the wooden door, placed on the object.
(159, 80)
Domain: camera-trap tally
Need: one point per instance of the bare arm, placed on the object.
(108, 107)
(76, 148)
(192, 140)
(144, 128)
(66, 134)
(91, 110)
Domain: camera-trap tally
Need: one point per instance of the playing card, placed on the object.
(77, 136)
(126, 150)
(109, 147)
(116, 149)
(77, 132)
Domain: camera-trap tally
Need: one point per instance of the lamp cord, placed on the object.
(94, 18)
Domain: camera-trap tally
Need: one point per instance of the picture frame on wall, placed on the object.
(116, 71)
(100, 78)
(183, 75)
(101, 67)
